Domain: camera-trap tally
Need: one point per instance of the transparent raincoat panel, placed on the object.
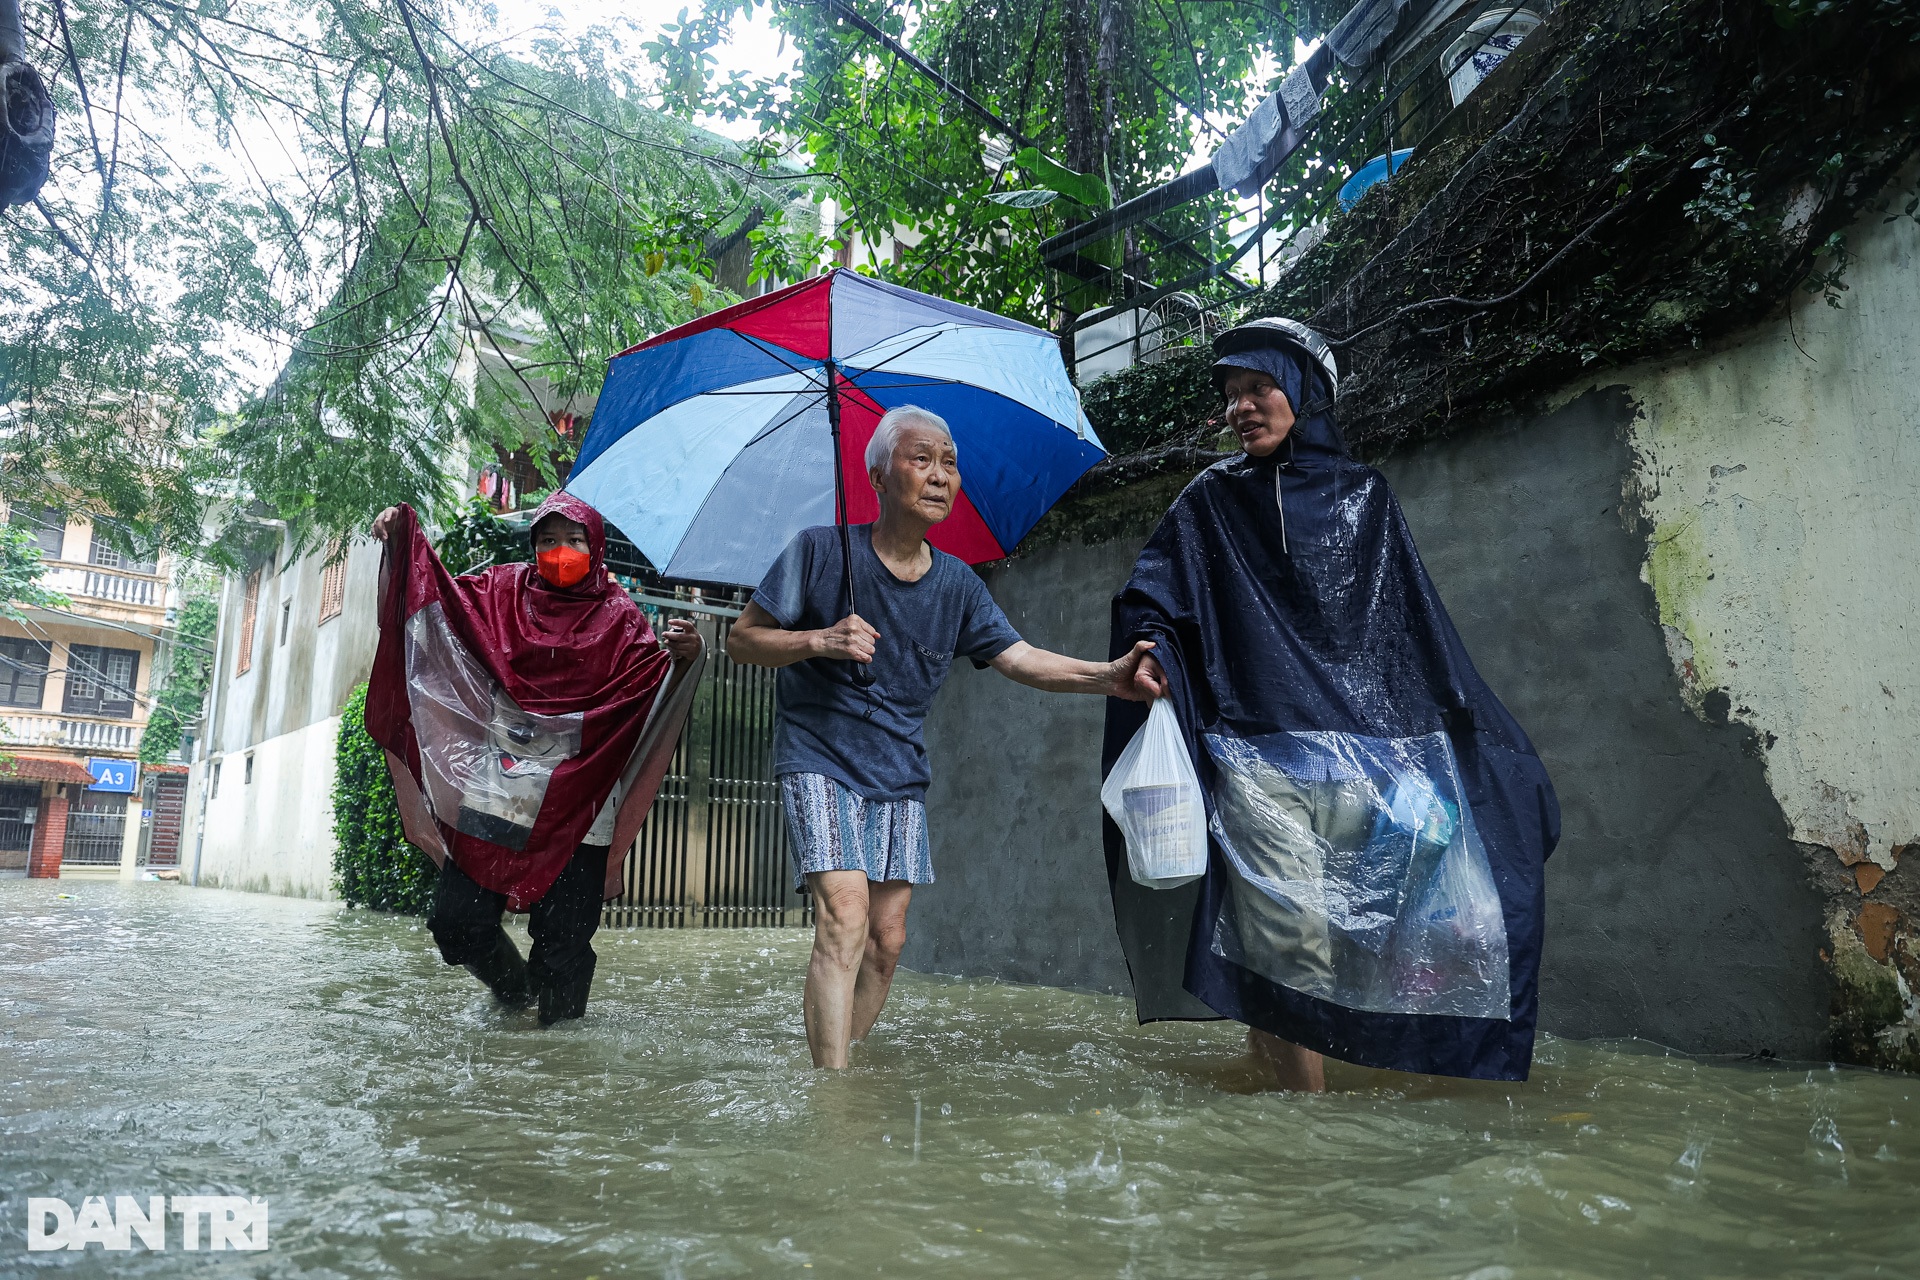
(485, 762)
(1356, 874)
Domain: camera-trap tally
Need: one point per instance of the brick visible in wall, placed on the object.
(49, 838)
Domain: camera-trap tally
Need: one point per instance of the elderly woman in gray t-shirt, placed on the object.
(852, 766)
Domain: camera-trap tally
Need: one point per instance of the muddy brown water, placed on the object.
(162, 1040)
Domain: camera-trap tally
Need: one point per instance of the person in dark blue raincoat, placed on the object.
(1379, 824)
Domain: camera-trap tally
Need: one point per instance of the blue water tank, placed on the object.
(1374, 170)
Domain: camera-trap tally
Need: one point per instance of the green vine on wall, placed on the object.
(189, 672)
(1153, 404)
(373, 865)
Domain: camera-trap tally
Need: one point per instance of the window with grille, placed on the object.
(107, 556)
(49, 525)
(249, 611)
(333, 583)
(100, 681)
(23, 671)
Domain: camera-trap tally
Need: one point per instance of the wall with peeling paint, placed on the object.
(1696, 586)
(1780, 477)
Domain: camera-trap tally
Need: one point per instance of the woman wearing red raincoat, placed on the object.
(528, 713)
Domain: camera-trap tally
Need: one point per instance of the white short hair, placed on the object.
(892, 422)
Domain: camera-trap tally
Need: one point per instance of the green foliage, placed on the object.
(20, 571)
(1088, 192)
(446, 245)
(1726, 191)
(1154, 404)
(476, 538)
(1109, 93)
(1828, 278)
(183, 689)
(373, 865)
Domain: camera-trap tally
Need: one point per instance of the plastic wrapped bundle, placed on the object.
(1357, 875)
(485, 762)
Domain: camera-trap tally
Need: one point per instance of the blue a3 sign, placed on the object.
(113, 775)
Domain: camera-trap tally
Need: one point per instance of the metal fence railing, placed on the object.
(19, 807)
(713, 852)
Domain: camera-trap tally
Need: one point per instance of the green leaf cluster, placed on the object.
(423, 247)
(20, 572)
(1149, 405)
(476, 538)
(183, 690)
(373, 865)
(1107, 98)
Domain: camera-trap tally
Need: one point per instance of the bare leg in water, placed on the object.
(1297, 1069)
(859, 928)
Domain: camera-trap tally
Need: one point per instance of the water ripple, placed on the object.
(161, 1040)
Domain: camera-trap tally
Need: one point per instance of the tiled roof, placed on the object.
(41, 769)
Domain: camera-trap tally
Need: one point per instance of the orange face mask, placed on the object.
(563, 566)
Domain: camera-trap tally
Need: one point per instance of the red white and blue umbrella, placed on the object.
(714, 443)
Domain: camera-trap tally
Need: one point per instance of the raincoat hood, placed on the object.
(1314, 433)
(561, 503)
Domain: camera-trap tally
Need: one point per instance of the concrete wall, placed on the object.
(276, 834)
(1695, 586)
(1779, 476)
(273, 834)
(1014, 809)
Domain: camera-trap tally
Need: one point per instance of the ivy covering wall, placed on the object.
(1639, 178)
(183, 691)
(373, 865)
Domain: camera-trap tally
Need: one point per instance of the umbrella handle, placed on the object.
(863, 676)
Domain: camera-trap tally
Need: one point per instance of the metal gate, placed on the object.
(165, 799)
(19, 806)
(713, 852)
(96, 829)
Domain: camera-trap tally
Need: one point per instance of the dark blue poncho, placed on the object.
(1379, 823)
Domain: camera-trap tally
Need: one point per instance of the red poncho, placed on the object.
(509, 707)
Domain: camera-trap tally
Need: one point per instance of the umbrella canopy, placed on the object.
(712, 444)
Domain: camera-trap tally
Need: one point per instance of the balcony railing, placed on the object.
(33, 729)
(115, 586)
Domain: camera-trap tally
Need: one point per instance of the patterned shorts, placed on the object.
(834, 829)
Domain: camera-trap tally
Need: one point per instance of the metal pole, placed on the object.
(862, 675)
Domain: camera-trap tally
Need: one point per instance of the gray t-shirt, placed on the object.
(869, 739)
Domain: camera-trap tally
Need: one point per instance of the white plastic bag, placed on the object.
(1154, 797)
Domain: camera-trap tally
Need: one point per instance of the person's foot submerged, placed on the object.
(504, 972)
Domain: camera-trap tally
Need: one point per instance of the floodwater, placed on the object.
(162, 1040)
